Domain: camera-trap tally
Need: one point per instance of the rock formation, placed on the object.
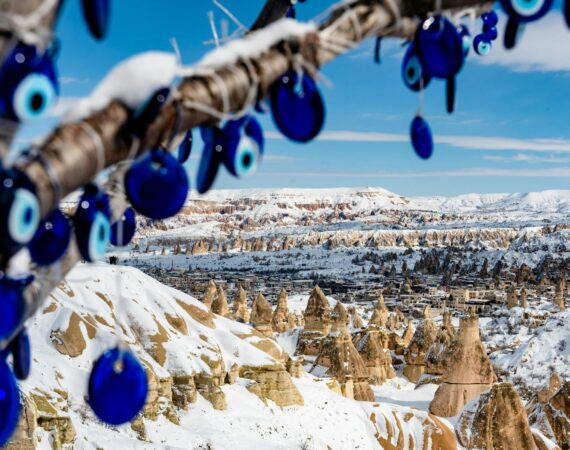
(273, 383)
(339, 319)
(280, 319)
(220, 303)
(355, 321)
(416, 351)
(210, 294)
(239, 306)
(512, 300)
(380, 312)
(317, 319)
(372, 345)
(497, 421)
(523, 301)
(559, 294)
(444, 338)
(261, 315)
(549, 411)
(468, 371)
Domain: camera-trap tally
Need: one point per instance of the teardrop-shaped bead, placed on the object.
(51, 240)
(123, 230)
(9, 403)
(420, 134)
(97, 14)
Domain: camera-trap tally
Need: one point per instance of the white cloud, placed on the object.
(523, 157)
(544, 46)
(465, 142)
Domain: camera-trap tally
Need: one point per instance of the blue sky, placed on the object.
(510, 132)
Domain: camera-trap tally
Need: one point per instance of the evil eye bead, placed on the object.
(19, 210)
(185, 147)
(97, 14)
(465, 39)
(211, 159)
(118, 387)
(157, 185)
(33, 97)
(92, 224)
(439, 47)
(526, 10)
(412, 71)
(490, 33)
(9, 403)
(21, 355)
(244, 146)
(123, 230)
(420, 134)
(297, 106)
(12, 304)
(481, 45)
(490, 18)
(51, 239)
(148, 112)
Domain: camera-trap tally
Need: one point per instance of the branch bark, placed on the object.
(72, 152)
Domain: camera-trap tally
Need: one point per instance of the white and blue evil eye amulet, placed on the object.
(482, 43)
(9, 403)
(420, 134)
(146, 114)
(123, 229)
(439, 47)
(92, 223)
(21, 352)
(97, 14)
(413, 74)
(243, 147)
(28, 83)
(211, 159)
(185, 147)
(118, 387)
(521, 12)
(12, 304)
(19, 210)
(297, 106)
(157, 184)
(51, 239)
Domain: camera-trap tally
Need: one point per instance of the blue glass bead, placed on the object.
(211, 158)
(122, 235)
(297, 106)
(412, 72)
(51, 239)
(97, 14)
(439, 47)
(185, 147)
(421, 137)
(92, 223)
(19, 210)
(291, 12)
(526, 10)
(29, 85)
(490, 18)
(243, 147)
(157, 185)
(490, 33)
(21, 355)
(481, 45)
(12, 304)
(145, 115)
(465, 39)
(118, 387)
(9, 403)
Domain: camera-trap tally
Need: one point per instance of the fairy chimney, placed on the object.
(372, 345)
(210, 294)
(468, 371)
(559, 295)
(220, 303)
(512, 300)
(444, 338)
(261, 315)
(523, 301)
(280, 319)
(343, 362)
(239, 306)
(339, 319)
(497, 421)
(380, 312)
(355, 319)
(317, 318)
(416, 351)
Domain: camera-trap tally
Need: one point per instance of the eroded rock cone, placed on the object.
(372, 345)
(444, 338)
(239, 306)
(420, 344)
(512, 299)
(497, 421)
(523, 301)
(261, 315)
(210, 294)
(559, 295)
(380, 313)
(317, 318)
(280, 319)
(468, 371)
(549, 411)
(339, 319)
(220, 303)
(343, 362)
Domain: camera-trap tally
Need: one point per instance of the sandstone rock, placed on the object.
(549, 411)
(434, 357)
(294, 366)
(262, 315)
(58, 424)
(183, 391)
(512, 300)
(497, 421)
(274, 384)
(420, 344)
(220, 303)
(70, 340)
(372, 345)
(317, 324)
(355, 319)
(233, 374)
(468, 371)
(339, 319)
(280, 320)
(559, 295)
(523, 301)
(239, 306)
(24, 436)
(210, 294)
(380, 313)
